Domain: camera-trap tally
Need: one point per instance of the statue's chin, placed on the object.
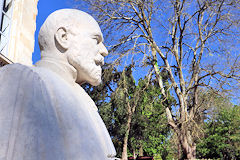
(96, 82)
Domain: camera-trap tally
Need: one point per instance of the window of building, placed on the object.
(5, 24)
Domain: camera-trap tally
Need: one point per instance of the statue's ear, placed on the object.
(61, 39)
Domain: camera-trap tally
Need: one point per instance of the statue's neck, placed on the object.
(60, 67)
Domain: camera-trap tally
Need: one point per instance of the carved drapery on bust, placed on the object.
(45, 114)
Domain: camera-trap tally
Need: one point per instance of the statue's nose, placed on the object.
(103, 50)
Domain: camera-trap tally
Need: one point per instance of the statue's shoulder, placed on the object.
(17, 77)
(28, 120)
(18, 71)
(22, 85)
(15, 68)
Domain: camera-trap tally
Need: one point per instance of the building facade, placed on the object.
(18, 25)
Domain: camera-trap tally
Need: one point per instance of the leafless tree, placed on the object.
(195, 42)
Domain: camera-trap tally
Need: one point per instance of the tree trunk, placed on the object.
(134, 154)
(141, 151)
(188, 148)
(125, 140)
(189, 152)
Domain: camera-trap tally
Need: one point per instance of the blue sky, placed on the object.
(46, 7)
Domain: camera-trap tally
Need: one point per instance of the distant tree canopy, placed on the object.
(222, 133)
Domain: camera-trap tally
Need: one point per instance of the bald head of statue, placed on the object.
(73, 36)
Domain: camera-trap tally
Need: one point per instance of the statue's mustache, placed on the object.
(99, 60)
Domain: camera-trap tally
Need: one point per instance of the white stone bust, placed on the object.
(45, 114)
(73, 37)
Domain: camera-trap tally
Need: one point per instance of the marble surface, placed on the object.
(45, 114)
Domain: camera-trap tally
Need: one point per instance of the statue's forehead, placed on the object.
(85, 18)
(88, 25)
(78, 21)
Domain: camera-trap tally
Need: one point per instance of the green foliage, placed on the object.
(116, 123)
(101, 94)
(150, 129)
(222, 135)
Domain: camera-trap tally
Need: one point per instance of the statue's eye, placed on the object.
(97, 39)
